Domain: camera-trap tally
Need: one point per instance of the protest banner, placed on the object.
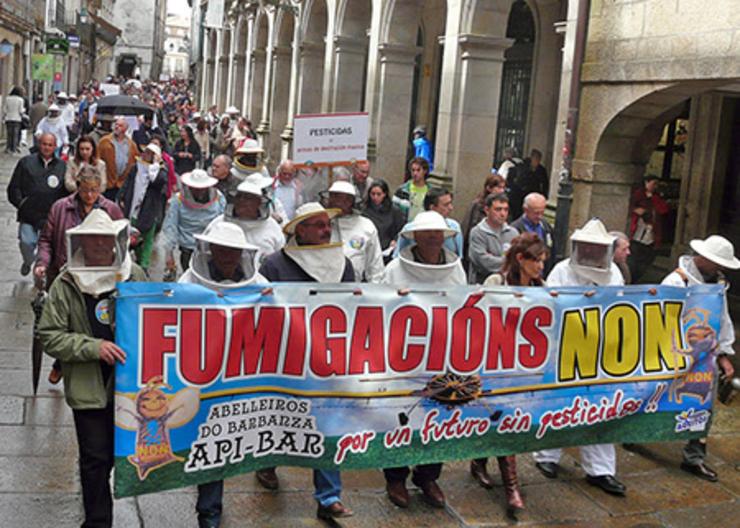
(330, 139)
(110, 88)
(42, 67)
(361, 376)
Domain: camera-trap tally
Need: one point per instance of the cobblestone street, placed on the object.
(39, 483)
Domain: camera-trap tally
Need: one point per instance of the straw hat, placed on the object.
(305, 212)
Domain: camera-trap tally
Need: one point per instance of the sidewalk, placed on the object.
(39, 486)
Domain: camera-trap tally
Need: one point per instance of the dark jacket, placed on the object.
(523, 181)
(279, 267)
(143, 136)
(183, 165)
(152, 208)
(549, 239)
(64, 214)
(388, 220)
(31, 191)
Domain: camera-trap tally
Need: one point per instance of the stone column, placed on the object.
(295, 70)
(256, 86)
(311, 76)
(349, 69)
(248, 62)
(702, 180)
(232, 65)
(468, 112)
(263, 129)
(216, 64)
(393, 110)
(280, 88)
(204, 73)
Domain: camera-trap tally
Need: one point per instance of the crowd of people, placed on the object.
(100, 192)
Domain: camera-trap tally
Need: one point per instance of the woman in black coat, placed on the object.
(187, 152)
(387, 216)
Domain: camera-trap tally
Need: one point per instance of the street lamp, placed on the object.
(83, 15)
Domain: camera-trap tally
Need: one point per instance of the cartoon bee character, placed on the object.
(698, 379)
(152, 413)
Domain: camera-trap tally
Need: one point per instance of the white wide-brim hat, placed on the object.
(62, 95)
(53, 108)
(717, 249)
(153, 147)
(226, 234)
(307, 211)
(98, 222)
(428, 221)
(249, 187)
(231, 110)
(259, 179)
(343, 187)
(593, 232)
(198, 179)
(250, 146)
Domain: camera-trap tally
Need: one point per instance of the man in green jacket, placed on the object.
(76, 328)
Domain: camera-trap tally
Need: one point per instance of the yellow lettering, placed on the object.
(621, 353)
(579, 344)
(662, 324)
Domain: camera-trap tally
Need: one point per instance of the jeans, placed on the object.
(210, 504)
(14, 135)
(94, 429)
(327, 486)
(28, 237)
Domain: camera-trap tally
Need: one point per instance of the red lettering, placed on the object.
(534, 355)
(328, 353)
(295, 351)
(438, 340)
(501, 338)
(368, 345)
(408, 321)
(201, 356)
(468, 336)
(154, 344)
(253, 345)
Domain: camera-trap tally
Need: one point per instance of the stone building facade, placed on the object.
(177, 46)
(485, 74)
(140, 48)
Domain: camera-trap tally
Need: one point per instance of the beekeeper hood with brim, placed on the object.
(223, 258)
(248, 157)
(592, 251)
(428, 227)
(97, 253)
(198, 189)
(250, 204)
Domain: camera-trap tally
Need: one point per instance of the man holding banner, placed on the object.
(222, 259)
(75, 328)
(591, 264)
(426, 261)
(712, 257)
(310, 256)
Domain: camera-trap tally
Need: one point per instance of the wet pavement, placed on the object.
(39, 485)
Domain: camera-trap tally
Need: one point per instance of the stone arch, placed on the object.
(351, 44)
(259, 54)
(315, 26)
(616, 141)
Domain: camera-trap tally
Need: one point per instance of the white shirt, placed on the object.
(361, 245)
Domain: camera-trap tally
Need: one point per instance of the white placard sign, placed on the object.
(110, 88)
(330, 138)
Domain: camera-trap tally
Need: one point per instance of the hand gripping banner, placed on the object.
(362, 376)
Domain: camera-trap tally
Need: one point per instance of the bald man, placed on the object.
(118, 151)
(361, 178)
(533, 221)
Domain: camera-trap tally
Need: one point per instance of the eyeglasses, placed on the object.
(320, 225)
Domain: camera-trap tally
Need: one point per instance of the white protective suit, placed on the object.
(405, 271)
(361, 245)
(597, 459)
(694, 277)
(199, 273)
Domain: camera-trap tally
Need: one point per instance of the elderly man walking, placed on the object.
(310, 256)
(36, 183)
(119, 152)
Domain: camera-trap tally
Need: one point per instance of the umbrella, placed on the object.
(122, 105)
(37, 350)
